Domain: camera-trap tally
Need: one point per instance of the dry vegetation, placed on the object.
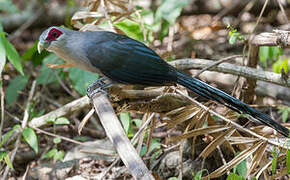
(175, 132)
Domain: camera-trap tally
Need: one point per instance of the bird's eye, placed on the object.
(54, 34)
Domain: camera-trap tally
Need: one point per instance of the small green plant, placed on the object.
(55, 153)
(234, 35)
(30, 137)
(285, 113)
(233, 176)
(275, 155)
(198, 175)
(4, 156)
(288, 161)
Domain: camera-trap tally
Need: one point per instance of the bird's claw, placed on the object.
(91, 93)
(97, 87)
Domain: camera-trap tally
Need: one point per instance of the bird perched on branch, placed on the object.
(127, 61)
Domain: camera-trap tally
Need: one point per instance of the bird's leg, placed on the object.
(59, 65)
(97, 86)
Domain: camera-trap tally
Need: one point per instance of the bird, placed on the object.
(124, 60)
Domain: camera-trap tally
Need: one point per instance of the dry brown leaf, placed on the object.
(90, 27)
(94, 5)
(279, 175)
(262, 170)
(80, 15)
(184, 115)
(216, 142)
(242, 140)
(197, 132)
(243, 155)
(257, 158)
(175, 111)
(120, 4)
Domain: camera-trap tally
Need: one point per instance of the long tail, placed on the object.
(215, 94)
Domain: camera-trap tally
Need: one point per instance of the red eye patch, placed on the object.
(53, 34)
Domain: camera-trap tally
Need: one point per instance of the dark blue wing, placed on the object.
(128, 61)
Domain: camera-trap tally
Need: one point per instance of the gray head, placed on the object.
(52, 38)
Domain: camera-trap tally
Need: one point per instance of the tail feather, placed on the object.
(215, 94)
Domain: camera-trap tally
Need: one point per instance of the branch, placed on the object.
(119, 139)
(23, 126)
(185, 64)
(65, 110)
(279, 38)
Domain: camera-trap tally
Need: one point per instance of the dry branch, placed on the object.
(186, 64)
(67, 109)
(280, 38)
(119, 139)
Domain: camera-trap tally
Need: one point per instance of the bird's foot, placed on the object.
(97, 87)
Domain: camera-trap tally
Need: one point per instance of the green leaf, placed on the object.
(6, 137)
(17, 84)
(1, 26)
(170, 10)
(274, 163)
(233, 38)
(155, 144)
(198, 175)
(233, 176)
(33, 55)
(61, 120)
(126, 122)
(263, 54)
(46, 74)
(51, 119)
(278, 65)
(242, 168)
(155, 155)
(49, 154)
(143, 150)
(285, 115)
(138, 122)
(31, 138)
(2, 52)
(16, 127)
(12, 54)
(8, 6)
(173, 178)
(59, 155)
(81, 138)
(2, 155)
(81, 79)
(56, 140)
(8, 161)
(277, 52)
(131, 29)
(288, 161)
(164, 30)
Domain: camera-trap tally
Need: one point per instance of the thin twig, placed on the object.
(107, 15)
(63, 85)
(260, 16)
(23, 126)
(283, 11)
(85, 120)
(2, 107)
(170, 39)
(217, 63)
(58, 136)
